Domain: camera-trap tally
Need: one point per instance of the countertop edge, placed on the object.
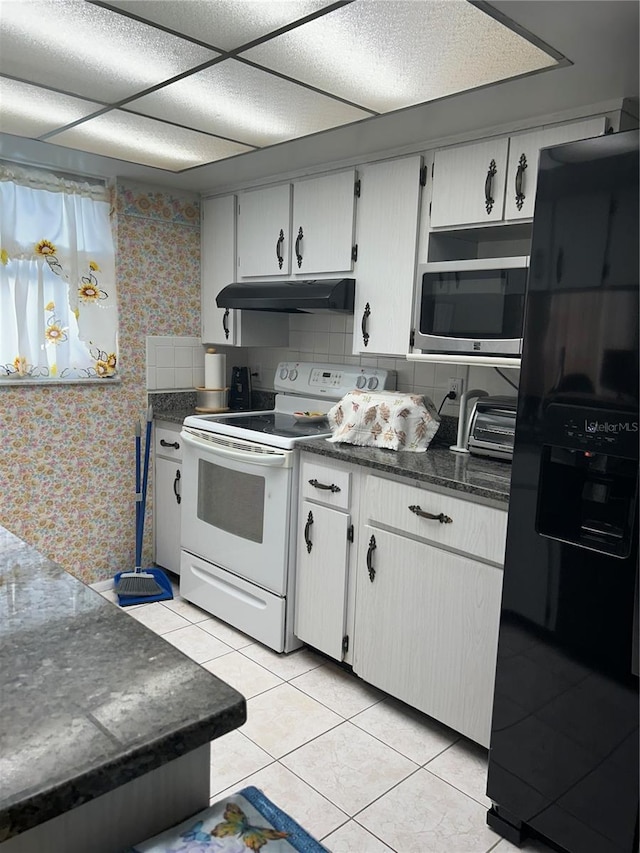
(350, 454)
(219, 710)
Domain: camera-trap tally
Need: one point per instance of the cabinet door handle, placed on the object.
(441, 517)
(176, 483)
(520, 196)
(307, 531)
(365, 317)
(488, 186)
(278, 252)
(173, 444)
(370, 550)
(298, 239)
(225, 322)
(330, 488)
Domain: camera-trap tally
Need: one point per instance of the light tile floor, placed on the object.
(360, 771)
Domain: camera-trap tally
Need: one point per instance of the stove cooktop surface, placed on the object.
(273, 423)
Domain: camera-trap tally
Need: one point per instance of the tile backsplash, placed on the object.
(174, 363)
(328, 337)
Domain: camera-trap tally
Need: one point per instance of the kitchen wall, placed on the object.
(328, 337)
(67, 476)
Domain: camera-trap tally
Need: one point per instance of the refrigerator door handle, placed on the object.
(635, 635)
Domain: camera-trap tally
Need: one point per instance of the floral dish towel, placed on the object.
(395, 421)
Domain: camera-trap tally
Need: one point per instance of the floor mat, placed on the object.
(246, 821)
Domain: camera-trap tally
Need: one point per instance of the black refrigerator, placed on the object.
(563, 761)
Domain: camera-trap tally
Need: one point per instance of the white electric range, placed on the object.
(239, 499)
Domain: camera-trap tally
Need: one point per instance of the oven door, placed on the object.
(236, 500)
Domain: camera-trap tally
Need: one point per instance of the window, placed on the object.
(58, 304)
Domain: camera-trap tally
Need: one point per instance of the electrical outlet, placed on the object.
(455, 387)
(256, 373)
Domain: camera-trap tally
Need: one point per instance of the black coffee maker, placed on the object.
(240, 390)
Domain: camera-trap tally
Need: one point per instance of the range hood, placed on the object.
(290, 297)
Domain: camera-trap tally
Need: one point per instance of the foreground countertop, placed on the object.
(89, 697)
(480, 477)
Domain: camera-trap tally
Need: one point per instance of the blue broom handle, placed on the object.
(138, 495)
(145, 474)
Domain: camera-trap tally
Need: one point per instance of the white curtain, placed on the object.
(58, 304)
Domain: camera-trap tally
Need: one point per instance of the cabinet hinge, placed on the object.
(345, 643)
(350, 533)
(423, 176)
(356, 188)
(412, 337)
(429, 208)
(354, 252)
(432, 165)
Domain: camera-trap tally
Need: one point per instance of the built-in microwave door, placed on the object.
(235, 507)
(465, 307)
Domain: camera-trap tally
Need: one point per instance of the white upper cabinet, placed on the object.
(387, 232)
(218, 269)
(468, 183)
(524, 153)
(264, 232)
(494, 180)
(323, 222)
(217, 266)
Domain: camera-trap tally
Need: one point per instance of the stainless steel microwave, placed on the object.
(472, 306)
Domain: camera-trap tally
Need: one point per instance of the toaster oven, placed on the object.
(492, 427)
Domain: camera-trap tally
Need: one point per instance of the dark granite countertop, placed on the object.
(485, 479)
(173, 416)
(90, 698)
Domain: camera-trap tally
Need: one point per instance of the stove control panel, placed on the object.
(331, 380)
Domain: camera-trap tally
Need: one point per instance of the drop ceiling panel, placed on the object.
(146, 141)
(31, 111)
(86, 50)
(397, 53)
(225, 24)
(241, 102)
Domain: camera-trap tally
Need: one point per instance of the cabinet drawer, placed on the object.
(326, 484)
(475, 529)
(168, 443)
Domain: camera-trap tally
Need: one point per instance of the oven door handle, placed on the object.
(271, 460)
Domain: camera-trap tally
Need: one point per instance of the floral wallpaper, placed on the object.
(67, 464)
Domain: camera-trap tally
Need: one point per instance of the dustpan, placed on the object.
(142, 585)
(161, 579)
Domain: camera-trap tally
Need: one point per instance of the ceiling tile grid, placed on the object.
(178, 85)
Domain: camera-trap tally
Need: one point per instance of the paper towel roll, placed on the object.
(215, 369)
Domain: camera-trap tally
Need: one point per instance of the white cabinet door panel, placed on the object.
(264, 226)
(427, 630)
(524, 153)
(321, 577)
(462, 183)
(323, 219)
(166, 513)
(387, 230)
(474, 529)
(218, 267)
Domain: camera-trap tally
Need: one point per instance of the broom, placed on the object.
(140, 583)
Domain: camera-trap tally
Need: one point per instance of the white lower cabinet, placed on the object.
(427, 629)
(167, 488)
(321, 580)
(411, 602)
(324, 603)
